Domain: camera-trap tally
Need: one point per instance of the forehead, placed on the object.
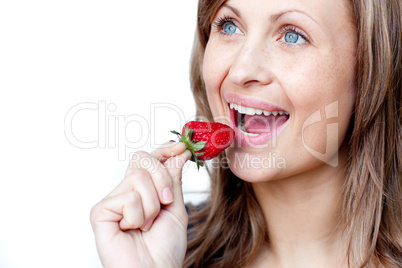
(324, 11)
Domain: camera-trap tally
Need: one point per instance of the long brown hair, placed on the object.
(230, 230)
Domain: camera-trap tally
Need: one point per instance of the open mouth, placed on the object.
(256, 124)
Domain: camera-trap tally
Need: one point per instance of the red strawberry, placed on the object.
(205, 140)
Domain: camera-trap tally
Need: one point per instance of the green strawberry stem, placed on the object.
(192, 145)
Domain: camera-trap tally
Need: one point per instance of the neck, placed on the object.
(302, 215)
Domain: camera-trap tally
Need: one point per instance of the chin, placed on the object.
(254, 167)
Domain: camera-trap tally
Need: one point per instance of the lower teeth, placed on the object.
(242, 129)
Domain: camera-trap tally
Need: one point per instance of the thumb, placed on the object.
(174, 166)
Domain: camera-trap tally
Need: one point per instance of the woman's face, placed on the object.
(282, 74)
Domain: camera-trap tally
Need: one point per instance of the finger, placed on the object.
(139, 184)
(175, 167)
(149, 197)
(132, 209)
(141, 159)
(123, 211)
(160, 176)
(168, 150)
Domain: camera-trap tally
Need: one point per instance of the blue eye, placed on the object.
(291, 37)
(226, 26)
(230, 28)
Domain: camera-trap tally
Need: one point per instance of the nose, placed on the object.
(251, 64)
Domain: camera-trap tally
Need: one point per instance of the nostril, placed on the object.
(250, 74)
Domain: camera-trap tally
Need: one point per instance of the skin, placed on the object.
(143, 221)
(299, 199)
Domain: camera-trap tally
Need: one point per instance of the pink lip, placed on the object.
(252, 141)
(250, 102)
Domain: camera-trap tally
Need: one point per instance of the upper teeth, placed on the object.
(252, 111)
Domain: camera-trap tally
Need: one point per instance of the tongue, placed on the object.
(259, 124)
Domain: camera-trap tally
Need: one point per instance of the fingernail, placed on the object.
(180, 145)
(167, 195)
(147, 226)
(187, 154)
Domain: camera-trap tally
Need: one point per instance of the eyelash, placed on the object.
(293, 29)
(220, 22)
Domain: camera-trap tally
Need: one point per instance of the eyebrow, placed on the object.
(274, 17)
(234, 10)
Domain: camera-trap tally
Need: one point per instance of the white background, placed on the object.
(124, 58)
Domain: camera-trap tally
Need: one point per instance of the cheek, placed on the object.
(208, 64)
(214, 71)
(211, 81)
(215, 65)
(323, 103)
(314, 81)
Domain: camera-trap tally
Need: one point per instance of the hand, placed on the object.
(143, 221)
